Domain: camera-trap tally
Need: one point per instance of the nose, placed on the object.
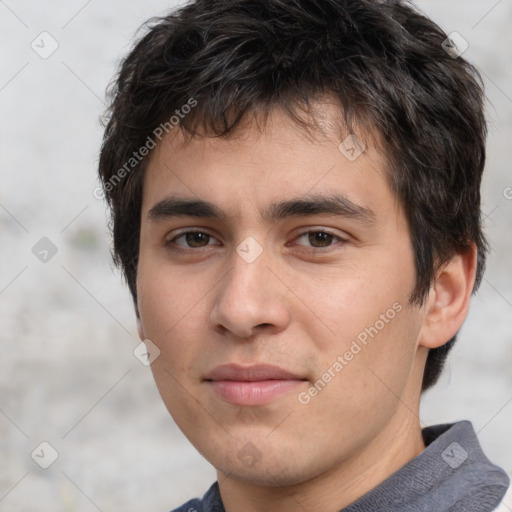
(250, 298)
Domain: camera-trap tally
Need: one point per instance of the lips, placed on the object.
(251, 385)
(252, 373)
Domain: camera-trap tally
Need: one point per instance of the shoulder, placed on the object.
(210, 502)
(191, 506)
(506, 503)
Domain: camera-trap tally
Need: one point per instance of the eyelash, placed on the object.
(170, 244)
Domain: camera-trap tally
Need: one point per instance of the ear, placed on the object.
(140, 329)
(448, 301)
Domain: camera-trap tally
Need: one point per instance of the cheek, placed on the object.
(362, 314)
(347, 301)
(360, 385)
(170, 316)
(169, 310)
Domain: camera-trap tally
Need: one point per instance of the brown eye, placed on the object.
(320, 238)
(191, 240)
(197, 239)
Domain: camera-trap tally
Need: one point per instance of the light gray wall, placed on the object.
(67, 373)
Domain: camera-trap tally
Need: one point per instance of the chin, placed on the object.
(270, 467)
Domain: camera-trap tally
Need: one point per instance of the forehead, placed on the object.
(276, 159)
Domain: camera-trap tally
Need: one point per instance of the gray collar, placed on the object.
(451, 474)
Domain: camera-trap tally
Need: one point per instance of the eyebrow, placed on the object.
(333, 204)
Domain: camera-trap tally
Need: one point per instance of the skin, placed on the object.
(299, 306)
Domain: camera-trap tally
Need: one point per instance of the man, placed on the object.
(295, 201)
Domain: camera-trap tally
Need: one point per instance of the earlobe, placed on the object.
(448, 301)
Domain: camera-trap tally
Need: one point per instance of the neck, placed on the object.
(397, 444)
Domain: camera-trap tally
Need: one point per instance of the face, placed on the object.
(274, 278)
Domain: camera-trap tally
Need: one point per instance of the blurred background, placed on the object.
(68, 376)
